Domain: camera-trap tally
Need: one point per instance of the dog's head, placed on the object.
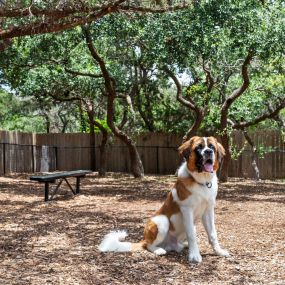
(203, 154)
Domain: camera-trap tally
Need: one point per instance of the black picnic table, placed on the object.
(62, 176)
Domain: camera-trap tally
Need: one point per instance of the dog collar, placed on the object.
(207, 184)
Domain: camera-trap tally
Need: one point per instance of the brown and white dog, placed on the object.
(192, 198)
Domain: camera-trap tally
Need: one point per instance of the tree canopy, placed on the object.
(132, 66)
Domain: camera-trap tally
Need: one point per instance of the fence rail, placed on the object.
(49, 152)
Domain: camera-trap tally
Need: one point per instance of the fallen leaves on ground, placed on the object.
(56, 242)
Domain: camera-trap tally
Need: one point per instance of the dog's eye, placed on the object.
(211, 146)
(200, 146)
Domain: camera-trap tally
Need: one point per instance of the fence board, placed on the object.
(147, 155)
(48, 152)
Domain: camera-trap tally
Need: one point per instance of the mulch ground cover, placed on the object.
(56, 242)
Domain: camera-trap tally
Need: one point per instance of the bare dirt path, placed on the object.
(56, 242)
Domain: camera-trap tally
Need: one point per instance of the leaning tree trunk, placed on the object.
(195, 127)
(103, 152)
(253, 155)
(225, 140)
(136, 163)
(102, 148)
(225, 112)
(190, 103)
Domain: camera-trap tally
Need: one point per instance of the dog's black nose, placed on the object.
(208, 151)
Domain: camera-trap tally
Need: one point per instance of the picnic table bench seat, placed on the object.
(61, 176)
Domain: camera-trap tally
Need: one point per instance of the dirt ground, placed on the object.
(56, 242)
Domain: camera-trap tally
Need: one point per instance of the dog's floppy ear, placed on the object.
(185, 149)
(221, 151)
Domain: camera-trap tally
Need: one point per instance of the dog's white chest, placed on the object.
(201, 199)
(202, 196)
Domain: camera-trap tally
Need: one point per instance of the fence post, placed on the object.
(33, 159)
(157, 159)
(94, 158)
(56, 157)
(4, 158)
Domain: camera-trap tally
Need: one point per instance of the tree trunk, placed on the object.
(224, 116)
(195, 127)
(92, 145)
(64, 127)
(103, 153)
(145, 114)
(253, 155)
(82, 120)
(148, 122)
(136, 164)
(227, 158)
(64, 123)
(199, 112)
(47, 123)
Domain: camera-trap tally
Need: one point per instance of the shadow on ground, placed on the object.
(56, 242)
(252, 191)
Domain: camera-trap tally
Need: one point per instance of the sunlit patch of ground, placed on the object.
(56, 242)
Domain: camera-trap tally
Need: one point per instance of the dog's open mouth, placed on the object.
(208, 165)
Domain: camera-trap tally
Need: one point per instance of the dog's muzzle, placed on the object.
(208, 160)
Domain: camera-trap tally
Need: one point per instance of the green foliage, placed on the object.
(261, 150)
(235, 152)
(16, 115)
(216, 33)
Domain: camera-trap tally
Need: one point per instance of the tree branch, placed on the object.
(199, 112)
(239, 91)
(153, 10)
(280, 121)
(78, 73)
(209, 78)
(42, 27)
(188, 103)
(62, 18)
(105, 73)
(75, 9)
(272, 114)
(54, 13)
(65, 99)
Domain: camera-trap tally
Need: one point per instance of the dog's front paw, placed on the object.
(222, 252)
(160, 251)
(195, 257)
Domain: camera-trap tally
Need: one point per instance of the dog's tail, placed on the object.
(114, 242)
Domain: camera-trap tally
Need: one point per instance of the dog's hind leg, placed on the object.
(155, 234)
(172, 244)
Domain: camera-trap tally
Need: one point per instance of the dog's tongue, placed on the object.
(208, 167)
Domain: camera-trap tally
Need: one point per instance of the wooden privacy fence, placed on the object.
(29, 152)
